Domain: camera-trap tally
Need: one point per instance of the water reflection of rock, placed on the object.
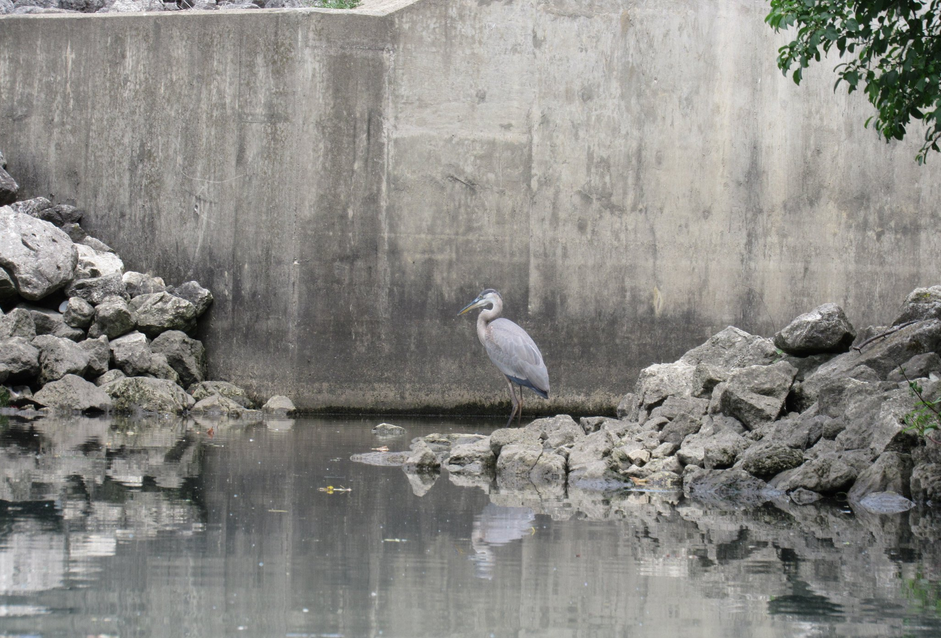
(798, 557)
(496, 526)
(72, 488)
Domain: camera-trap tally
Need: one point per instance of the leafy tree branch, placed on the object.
(891, 50)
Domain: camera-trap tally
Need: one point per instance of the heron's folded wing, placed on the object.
(514, 352)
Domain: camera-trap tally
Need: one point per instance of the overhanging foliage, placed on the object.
(891, 50)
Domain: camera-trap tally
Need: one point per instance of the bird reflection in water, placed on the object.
(496, 526)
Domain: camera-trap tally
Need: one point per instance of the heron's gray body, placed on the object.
(510, 348)
(514, 353)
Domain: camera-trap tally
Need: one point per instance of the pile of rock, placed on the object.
(801, 417)
(79, 332)
(20, 7)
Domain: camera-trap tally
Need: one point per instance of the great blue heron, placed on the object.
(510, 348)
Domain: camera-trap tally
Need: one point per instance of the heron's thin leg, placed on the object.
(516, 404)
(519, 415)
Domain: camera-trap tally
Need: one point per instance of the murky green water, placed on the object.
(130, 528)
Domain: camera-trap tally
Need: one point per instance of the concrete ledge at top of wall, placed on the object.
(377, 8)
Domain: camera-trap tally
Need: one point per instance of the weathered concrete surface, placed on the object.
(633, 177)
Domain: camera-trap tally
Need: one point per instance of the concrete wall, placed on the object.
(633, 176)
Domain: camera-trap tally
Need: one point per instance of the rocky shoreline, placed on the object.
(33, 7)
(817, 412)
(79, 333)
(801, 417)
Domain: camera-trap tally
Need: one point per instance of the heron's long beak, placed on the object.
(476, 303)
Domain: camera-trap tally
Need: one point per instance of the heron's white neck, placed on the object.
(492, 312)
(486, 316)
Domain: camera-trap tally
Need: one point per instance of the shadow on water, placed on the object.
(153, 527)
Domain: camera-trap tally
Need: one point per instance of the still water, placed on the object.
(183, 528)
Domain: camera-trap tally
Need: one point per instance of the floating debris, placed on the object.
(333, 490)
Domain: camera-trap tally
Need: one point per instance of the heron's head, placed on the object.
(488, 297)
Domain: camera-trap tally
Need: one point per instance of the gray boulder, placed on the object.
(7, 286)
(733, 348)
(111, 375)
(589, 461)
(216, 405)
(59, 357)
(95, 290)
(770, 458)
(39, 257)
(93, 263)
(655, 466)
(882, 356)
(17, 323)
(919, 305)
(556, 431)
(473, 459)
(93, 243)
(161, 311)
(41, 208)
(161, 368)
(679, 428)
(627, 407)
(8, 186)
(698, 371)
(827, 474)
(75, 232)
(891, 472)
(192, 292)
(99, 355)
(823, 329)
(146, 394)
(723, 449)
(513, 436)
(833, 396)
(223, 388)
(801, 432)
(78, 313)
(82, 6)
(50, 322)
(693, 450)
(132, 6)
(113, 318)
(19, 360)
(756, 394)
(655, 384)
(529, 464)
(131, 354)
(677, 406)
(279, 405)
(875, 423)
(421, 459)
(138, 284)
(185, 355)
(73, 393)
(919, 366)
